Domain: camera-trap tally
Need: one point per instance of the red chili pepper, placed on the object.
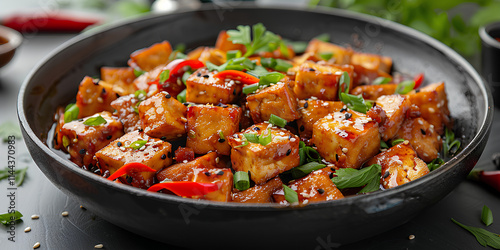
(48, 22)
(186, 188)
(133, 167)
(237, 76)
(418, 79)
(491, 178)
(178, 69)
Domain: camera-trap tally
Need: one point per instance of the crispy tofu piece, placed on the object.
(315, 187)
(205, 123)
(122, 79)
(224, 179)
(163, 116)
(340, 54)
(422, 137)
(433, 105)
(277, 99)
(319, 80)
(225, 45)
(149, 81)
(395, 107)
(264, 162)
(346, 139)
(184, 171)
(311, 111)
(84, 141)
(154, 153)
(126, 107)
(203, 87)
(363, 75)
(151, 57)
(259, 193)
(372, 92)
(212, 55)
(400, 165)
(372, 61)
(143, 81)
(94, 96)
(184, 154)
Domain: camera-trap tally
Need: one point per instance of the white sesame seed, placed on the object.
(28, 229)
(99, 99)
(217, 160)
(405, 142)
(35, 217)
(184, 161)
(292, 139)
(179, 135)
(344, 150)
(411, 237)
(99, 246)
(75, 140)
(37, 245)
(65, 213)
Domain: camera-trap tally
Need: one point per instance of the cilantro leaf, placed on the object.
(8, 129)
(262, 38)
(6, 218)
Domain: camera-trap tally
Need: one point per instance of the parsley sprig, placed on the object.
(262, 39)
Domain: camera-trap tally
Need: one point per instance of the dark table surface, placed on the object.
(432, 229)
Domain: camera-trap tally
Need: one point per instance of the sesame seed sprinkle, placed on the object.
(99, 246)
(65, 214)
(35, 217)
(37, 245)
(411, 237)
(28, 229)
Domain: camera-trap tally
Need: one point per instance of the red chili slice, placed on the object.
(178, 70)
(186, 188)
(237, 76)
(133, 167)
(418, 79)
(491, 178)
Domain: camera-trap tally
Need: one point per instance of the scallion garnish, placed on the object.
(137, 144)
(164, 76)
(326, 56)
(397, 141)
(435, 164)
(221, 135)
(138, 72)
(383, 144)
(140, 95)
(305, 169)
(276, 64)
(264, 140)
(233, 54)
(356, 103)
(71, 112)
(450, 145)
(241, 180)
(308, 154)
(278, 121)
(250, 88)
(381, 80)
(254, 138)
(181, 97)
(95, 121)
(290, 194)
(271, 77)
(185, 76)
(404, 87)
(242, 145)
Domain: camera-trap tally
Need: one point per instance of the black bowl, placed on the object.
(193, 223)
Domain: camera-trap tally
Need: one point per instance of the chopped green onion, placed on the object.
(71, 112)
(325, 37)
(138, 144)
(268, 62)
(221, 135)
(164, 76)
(242, 145)
(435, 164)
(254, 138)
(278, 121)
(383, 144)
(344, 83)
(397, 141)
(486, 216)
(181, 97)
(233, 54)
(185, 76)
(258, 71)
(450, 145)
(381, 80)
(95, 121)
(65, 141)
(326, 56)
(271, 77)
(404, 87)
(138, 72)
(290, 194)
(241, 180)
(140, 94)
(305, 169)
(250, 88)
(264, 140)
(282, 65)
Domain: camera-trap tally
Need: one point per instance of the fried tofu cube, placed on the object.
(149, 81)
(202, 87)
(94, 96)
(311, 111)
(315, 187)
(340, 54)
(223, 178)
(400, 165)
(184, 170)
(83, 141)
(122, 79)
(225, 45)
(319, 80)
(433, 105)
(346, 139)
(151, 152)
(363, 75)
(149, 58)
(395, 107)
(259, 193)
(372, 61)
(126, 110)
(212, 55)
(277, 99)
(422, 137)
(163, 116)
(264, 162)
(208, 127)
(372, 92)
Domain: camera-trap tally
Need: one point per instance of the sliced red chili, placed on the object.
(186, 188)
(418, 79)
(491, 178)
(178, 70)
(133, 167)
(237, 76)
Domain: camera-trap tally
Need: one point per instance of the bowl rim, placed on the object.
(447, 166)
(14, 39)
(484, 34)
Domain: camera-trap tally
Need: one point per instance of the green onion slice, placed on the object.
(250, 88)
(164, 76)
(405, 87)
(181, 97)
(221, 135)
(397, 141)
(241, 180)
(326, 56)
(381, 80)
(278, 121)
(242, 145)
(435, 164)
(305, 169)
(254, 138)
(290, 194)
(95, 121)
(71, 113)
(264, 140)
(138, 72)
(138, 144)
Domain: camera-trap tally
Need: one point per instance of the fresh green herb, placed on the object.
(181, 47)
(404, 87)
(397, 141)
(7, 218)
(308, 154)
(258, 71)
(264, 140)
(95, 121)
(140, 95)
(326, 56)
(138, 72)
(450, 145)
(276, 120)
(381, 80)
(270, 78)
(383, 144)
(484, 237)
(368, 177)
(241, 63)
(435, 164)
(181, 97)
(325, 37)
(164, 76)
(356, 103)
(221, 135)
(297, 46)
(276, 64)
(262, 38)
(305, 169)
(65, 141)
(486, 216)
(9, 129)
(344, 83)
(185, 76)
(253, 138)
(71, 112)
(233, 54)
(137, 144)
(241, 180)
(242, 145)
(176, 54)
(290, 195)
(250, 88)
(17, 175)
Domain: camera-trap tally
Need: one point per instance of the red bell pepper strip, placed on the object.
(237, 76)
(186, 188)
(418, 79)
(491, 178)
(178, 69)
(133, 167)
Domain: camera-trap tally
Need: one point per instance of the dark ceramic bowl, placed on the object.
(193, 223)
(10, 40)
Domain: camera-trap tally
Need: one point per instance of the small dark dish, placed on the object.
(490, 57)
(10, 40)
(194, 223)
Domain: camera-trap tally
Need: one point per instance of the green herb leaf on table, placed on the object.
(8, 129)
(486, 216)
(95, 121)
(19, 174)
(483, 236)
(7, 218)
(349, 178)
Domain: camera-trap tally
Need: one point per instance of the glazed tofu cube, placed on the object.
(163, 116)
(83, 141)
(340, 55)
(224, 179)
(346, 139)
(149, 81)
(259, 193)
(151, 151)
(400, 165)
(277, 99)
(315, 187)
(372, 61)
(364, 76)
(422, 137)
(184, 154)
(395, 107)
(202, 87)
(433, 105)
(149, 58)
(208, 127)
(225, 45)
(94, 96)
(122, 79)
(212, 55)
(126, 110)
(319, 80)
(311, 111)
(372, 92)
(264, 162)
(184, 170)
